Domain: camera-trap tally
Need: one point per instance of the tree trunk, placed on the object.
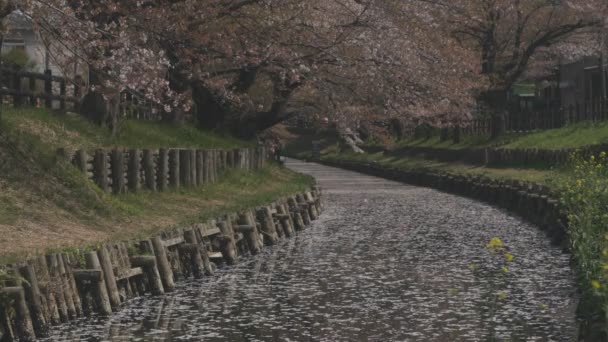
(496, 100)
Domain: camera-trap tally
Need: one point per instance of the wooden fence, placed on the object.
(119, 171)
(544, 119)
(55, 92)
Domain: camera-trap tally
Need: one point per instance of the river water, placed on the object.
(385, 262)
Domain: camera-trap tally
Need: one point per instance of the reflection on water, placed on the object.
(386, 262)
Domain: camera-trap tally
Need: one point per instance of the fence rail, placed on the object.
(56, 92)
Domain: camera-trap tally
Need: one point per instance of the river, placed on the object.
(385, 262)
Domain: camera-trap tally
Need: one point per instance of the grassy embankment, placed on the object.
(46, 204)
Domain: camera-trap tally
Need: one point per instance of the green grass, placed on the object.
(47, 204)
(419, 164)
(572, 136)
(71, 130)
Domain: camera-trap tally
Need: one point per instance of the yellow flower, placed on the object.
(603, 155)
(579, 183)
(542, 306)
(472, 267)
(605, 253)
(502, 296)
(495, 244)
(505, 269)
(509, 257)
(605, 267)
(596, 284)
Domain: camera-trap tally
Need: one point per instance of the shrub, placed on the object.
(585, 196)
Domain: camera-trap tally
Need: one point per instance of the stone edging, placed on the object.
(61, 287)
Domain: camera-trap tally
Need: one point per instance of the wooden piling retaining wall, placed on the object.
(62, 287)
(119, 170)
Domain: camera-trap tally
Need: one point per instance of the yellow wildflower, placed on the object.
(596, 284)
(495, 244)
(509, 257)
(502, 296)
(505, 269)
(472, 267)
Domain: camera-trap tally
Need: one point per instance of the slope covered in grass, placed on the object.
(46, 204)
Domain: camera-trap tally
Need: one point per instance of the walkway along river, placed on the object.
(385, 262)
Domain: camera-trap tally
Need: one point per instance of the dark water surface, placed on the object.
(385, 262)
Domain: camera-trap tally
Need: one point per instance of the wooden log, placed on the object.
(57, 287)
(201, 232)
(34, 299)
(304, 209)
(269, 230)
(212, 166)
(100, 170)
(184, 166)
(66, 288)
(23, 321)
(162, 262)
(134, 171)
(100, 292)
(117, 162)
(296, 212)
(162, 170)
(107, 268)
(174, 171)
(284, 221)
(80, 160)
(48, 293)
(149, 170)
(200, 168)
(252, 237)
(206, 167)
(227, 242)
(148, 264)
(72, 283)
(193, 168)
(196, 260)
(312, 208)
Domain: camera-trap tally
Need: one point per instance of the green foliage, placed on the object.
(585, 196)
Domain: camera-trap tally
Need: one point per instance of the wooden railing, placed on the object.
(55, 92)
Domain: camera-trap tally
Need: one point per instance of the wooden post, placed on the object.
(25, 328)
(134, 170)
(72, 284)
(17, 98)
(52, 307)
(117, 162)
(57, 287)
(174, 172)
(63, 94)
(269, 230)
(48, 89)
(32, 81)
(162, 169)
(193, 169)
(80, 161)
(304, 209)
(200, 168)
(100, 170)
(149, 174)
(184, 167)
(105, 262)
(285, 220)
(64, 282)
(251, 235)
(148, 264)
(206, 167)
(227, 243)
(100, 292)
(193, 249)
(162, 262)
(34, 299)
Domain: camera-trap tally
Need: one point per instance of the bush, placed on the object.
(17, 58)
(585, 196)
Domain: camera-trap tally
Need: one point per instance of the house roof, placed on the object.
(18, 21)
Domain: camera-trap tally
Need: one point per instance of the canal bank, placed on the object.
(385, 262)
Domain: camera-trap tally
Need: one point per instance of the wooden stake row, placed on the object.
(119, 171)
(61, 287)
